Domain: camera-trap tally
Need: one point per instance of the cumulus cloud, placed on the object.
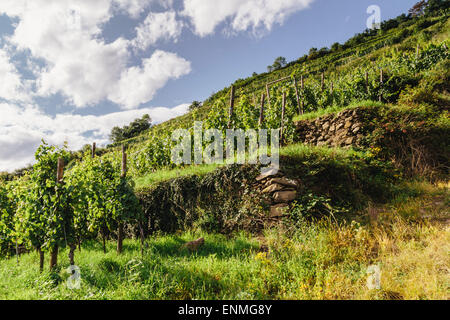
(11, 86)
(62, 45)
(66, 35)
(158, 26)
(139, 84)
(135, 7)
(242, 14)
(22, 128)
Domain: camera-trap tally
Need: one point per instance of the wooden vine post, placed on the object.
(268, 95)
(380, 98)
(367, 81)
(417, 56)
(283, 108)
(120, 226)
(93, 150)
(230, 114)
(323, 81)
(60, 170)
(261, 110)
(17, 252)
(41, 259)
(59, 179)
(302, 85)
(300, 109)
(72, 248)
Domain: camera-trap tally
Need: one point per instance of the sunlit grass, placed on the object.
(318, 260)
(336, 109)
(298, 150)
(168, 174)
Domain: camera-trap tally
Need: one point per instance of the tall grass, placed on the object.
(336, 109)
(409, 240)
(293, 151)
(167, 174)
(300, 150)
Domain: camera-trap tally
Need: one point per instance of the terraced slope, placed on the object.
(404, 34)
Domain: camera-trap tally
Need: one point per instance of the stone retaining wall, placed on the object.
(277, 191)
(343, 129)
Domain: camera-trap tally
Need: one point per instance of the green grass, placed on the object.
(167, 174)
(293, 151)
(336, 109)
(300, 150)
(318, 260)
(164, 272)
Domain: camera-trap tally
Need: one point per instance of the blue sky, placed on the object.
(70, 70)
(219, 60)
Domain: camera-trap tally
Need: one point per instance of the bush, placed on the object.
(213, 202)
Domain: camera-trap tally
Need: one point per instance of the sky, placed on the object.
(71, 70)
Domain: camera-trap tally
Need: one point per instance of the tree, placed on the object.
(418, 9)
(195, 105)
(323, 51)
(134, 129)
(335, 47)
(312, 53)
(116, 135)
(279, 63)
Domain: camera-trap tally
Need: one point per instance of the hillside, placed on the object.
(403, 33)
(404, 50)
(363, 183)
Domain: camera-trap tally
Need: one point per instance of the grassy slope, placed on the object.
(163, 175)
(341, 63)
(294, 151)
(335, 109)
(408, 238)
(350, 58)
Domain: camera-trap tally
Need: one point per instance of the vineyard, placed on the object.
(359, 53)
(68, 200)
(383, 80)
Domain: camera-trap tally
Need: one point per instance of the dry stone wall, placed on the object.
(343, 129)
(277, 191)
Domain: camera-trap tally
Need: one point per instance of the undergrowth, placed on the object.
(322, 259)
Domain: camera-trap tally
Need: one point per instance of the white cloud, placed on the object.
(139, 84)
(133, 7)
(11, 86)
(66, 35)
(85, 73)
(156, 26)
(243, 14)
(62, 45)
(136, 7)
(22, 128)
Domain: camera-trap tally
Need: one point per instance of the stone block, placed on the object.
(284, 196)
